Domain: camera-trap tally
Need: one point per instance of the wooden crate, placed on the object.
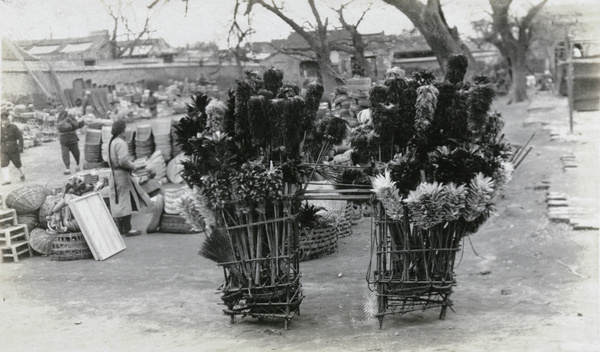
(97, 225)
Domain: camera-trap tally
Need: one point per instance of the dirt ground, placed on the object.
(160, 295)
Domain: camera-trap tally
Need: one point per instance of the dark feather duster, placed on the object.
(378, 94)
(260, 126)
(273, 80)
(337, 128)
(424, 77)
(456, 68)
(229, 118)
(479, 101)
(396, 87)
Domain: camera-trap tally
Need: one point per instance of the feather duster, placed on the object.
(425, 107)
(260, 126)
(314, 93)
(378, 94)
(337, 128)
(396, 87)
(423, 77)
(273, 80)
(215, 112)
(395, 72)
(479, 101)
(456, 68)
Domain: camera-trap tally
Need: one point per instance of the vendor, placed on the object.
(67, 127)
(126, 195)
(152, 104)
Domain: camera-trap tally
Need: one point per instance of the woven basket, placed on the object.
(174, 224)
(41, 241)
(27, 199)
(70, 246)
(31, 220)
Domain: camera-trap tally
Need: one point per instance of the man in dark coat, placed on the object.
(12, 147)
(67, 127)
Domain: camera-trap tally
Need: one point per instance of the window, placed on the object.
(89, 62)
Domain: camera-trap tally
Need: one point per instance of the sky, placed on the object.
(207, 20)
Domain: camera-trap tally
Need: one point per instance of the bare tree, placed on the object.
(122, 26)
(315, 36)
(430, 20)
(358, 46)
(513, 37)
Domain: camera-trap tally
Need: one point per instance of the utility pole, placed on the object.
(570, 79)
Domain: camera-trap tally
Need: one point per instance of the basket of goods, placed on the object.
(244, 168)
(70, 246)
(41, 241)
(440, 188)
(27, 199)
(61, 219)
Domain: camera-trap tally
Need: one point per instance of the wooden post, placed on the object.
(570, 80)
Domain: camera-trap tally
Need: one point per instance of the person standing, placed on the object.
(86, 101)
(11, 149)
(67, 127)
(125, 194)
(152, 104)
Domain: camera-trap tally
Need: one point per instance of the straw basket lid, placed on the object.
(161, 127)
(93, 137)
(144, 132)
(41, 240)
(174, 167)
(106, 133)
(129, 135)
(27, 199)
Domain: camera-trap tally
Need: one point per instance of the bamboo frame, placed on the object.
(414, 267)
(264, 279)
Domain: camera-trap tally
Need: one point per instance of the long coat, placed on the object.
(125, 192)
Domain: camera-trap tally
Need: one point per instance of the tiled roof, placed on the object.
(9, 55)
(56, 46)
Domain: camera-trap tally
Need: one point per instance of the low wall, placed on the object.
(18, 82)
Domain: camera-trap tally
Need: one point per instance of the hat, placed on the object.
(118, 127)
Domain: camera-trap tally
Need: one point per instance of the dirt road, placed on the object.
(524, 283)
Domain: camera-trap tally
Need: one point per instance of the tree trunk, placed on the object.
(326, 74)
(428, 19)
(361, 60)
(518, 88)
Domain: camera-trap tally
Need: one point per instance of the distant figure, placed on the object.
(152, 104)
(86, 101)
(12, 147)
(67, 127)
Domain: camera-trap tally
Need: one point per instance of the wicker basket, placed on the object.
(170, 223)
(41, 241)
(27, 199)
(30, 220)
(46, 209)
(70, 246)
(317, 242)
